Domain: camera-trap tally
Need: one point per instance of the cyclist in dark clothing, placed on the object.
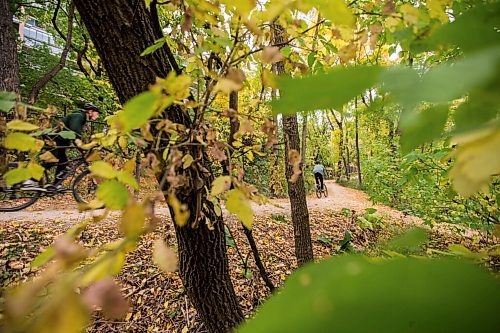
(72, 122)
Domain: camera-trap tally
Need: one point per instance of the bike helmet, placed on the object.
(90, 106)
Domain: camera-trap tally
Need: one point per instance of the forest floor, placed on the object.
(158, 302)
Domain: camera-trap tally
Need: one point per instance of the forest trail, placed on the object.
(339, 197)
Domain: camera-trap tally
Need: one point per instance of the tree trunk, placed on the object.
(358, 162)
(121, 30)
(9, 67)
(296, 190)
(304, 138)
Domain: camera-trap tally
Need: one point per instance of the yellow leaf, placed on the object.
(123, 142)
(243, 7)
(19, 125)
(181, 211)
(21, 142)
(227, 86)
(104, 266)
(410, 13)
(48, 157)
(129, 166)
(336, 11)
(437, 9)
(132, 221)
(238, 203)
(220, 185)
(476, 160)
(187, 160)
(17, 175)
(36, 170)
(102, 169)
(164, 256)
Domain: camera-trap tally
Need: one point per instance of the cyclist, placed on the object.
(73, 122)
(319, 173)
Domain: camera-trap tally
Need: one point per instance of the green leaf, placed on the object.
(483, 18)
(103, 169)
(150, 49)
(16, 176)
(411, 241)
(391, 296)
(113, 193)
(442, 83)
(127, 179)
(286, 51)
(43, 257)
(19, 125)
(137, 111)
(422, 127)
(7, 100)
(70, 135)
(20, 142)
(237, 203)
(323, 91)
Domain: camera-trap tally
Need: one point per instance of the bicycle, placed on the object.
(25, 194)
(320, 190)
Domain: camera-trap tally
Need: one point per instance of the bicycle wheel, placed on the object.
(84, 187)
(14, 198)
(318, 192)
(325, 192)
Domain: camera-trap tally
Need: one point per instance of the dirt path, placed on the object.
(339, 197)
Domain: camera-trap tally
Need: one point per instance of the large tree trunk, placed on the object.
(9, 67)
(296, 190)
(121, 30)
(304, 137)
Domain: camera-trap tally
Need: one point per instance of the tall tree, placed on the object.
(9, 65)
(296, 189)
(121, 30)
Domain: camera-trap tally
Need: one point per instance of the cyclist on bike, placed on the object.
(319, 173)
(72, 122)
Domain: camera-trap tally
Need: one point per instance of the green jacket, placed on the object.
(75, 122)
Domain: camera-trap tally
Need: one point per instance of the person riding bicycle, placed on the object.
(72, 122)
(319, 173)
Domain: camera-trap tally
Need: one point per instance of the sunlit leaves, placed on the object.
(271, 54)
(237, 203)
(476, 160)
(22, 142)
(113, 193)
(336, 11)
(402, 295)
(19, 125)
(164, 256)
(322, 91)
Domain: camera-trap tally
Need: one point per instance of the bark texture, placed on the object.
(9, 68)
(121, 30)
(296, 190)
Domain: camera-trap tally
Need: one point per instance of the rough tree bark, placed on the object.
(9, 66)
(121, 30)
(296, 190)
